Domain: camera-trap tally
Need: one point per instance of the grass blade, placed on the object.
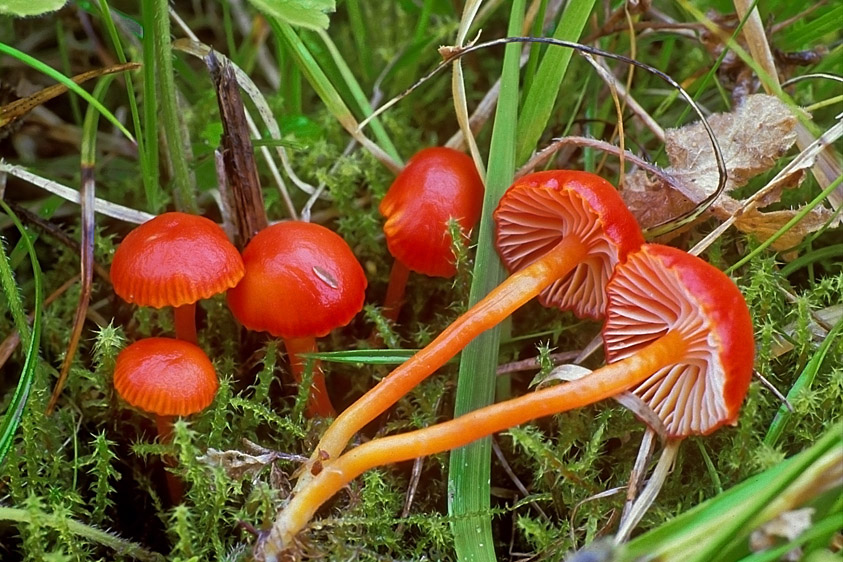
(719, 522)
(541, 97)
(802, 383)
(71, 85)
(11, 420)
(327, 93)
(170, 112)
(470, 467)
(86, 242)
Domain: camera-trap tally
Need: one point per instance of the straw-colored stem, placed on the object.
(185, 320)
(319, 404)
(599, 385)
(507, 297)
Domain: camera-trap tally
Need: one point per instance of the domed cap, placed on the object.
(660, 289)
(173, 260)
(436, 184)
(540, 209)
(302, 280)
(166, 377)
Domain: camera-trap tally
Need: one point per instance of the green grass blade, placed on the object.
(364, 356)
(790, 224)
(544, 88)
(154, 201)
(701, 532)
(360, 98)
(327, 93)
(62, 79)
(11, 420)
(148, 159)
(803, 382)
(470, 467)
(171, 114)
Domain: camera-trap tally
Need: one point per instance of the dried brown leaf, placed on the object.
(652, 200)
(752, 138)
(764, 225)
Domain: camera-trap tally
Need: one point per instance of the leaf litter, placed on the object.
(753, 138)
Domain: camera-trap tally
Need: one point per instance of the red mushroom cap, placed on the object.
(302, 280)
(166, 377)
(660, 288)
(436, 184)
(173, 260)
(540, 209)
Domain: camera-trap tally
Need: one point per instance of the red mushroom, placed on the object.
(679, 335)
(166, 377)
(437, 184)
(175, 260)
(302, 281)
(562, 232)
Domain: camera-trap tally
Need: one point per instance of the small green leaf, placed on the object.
(311, 14)
(22, 8)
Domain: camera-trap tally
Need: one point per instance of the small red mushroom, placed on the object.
(175, 259)
(437, 184)
(562, 232)
(302, 281)
(166, 377)
(678, 334)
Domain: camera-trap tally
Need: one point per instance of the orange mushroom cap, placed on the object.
(659, 289)
(540, 209)
(436, 184)
(164, 376)
(302, 280)
(173, 260)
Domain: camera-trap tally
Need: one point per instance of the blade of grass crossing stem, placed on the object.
(470, 466)
(12, 418)
(148, 159)
(707, 528)
(185, 197)
(360, 98)
(61, 78)
(541, 97)
(803, 382)
(86, 242)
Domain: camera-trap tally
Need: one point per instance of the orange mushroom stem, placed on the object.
(184, 318)
(563, 232)
(319, 403)
(680, 337)
(436, 185)
(394, 298)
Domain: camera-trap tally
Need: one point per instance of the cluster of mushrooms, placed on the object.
(677, 332)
